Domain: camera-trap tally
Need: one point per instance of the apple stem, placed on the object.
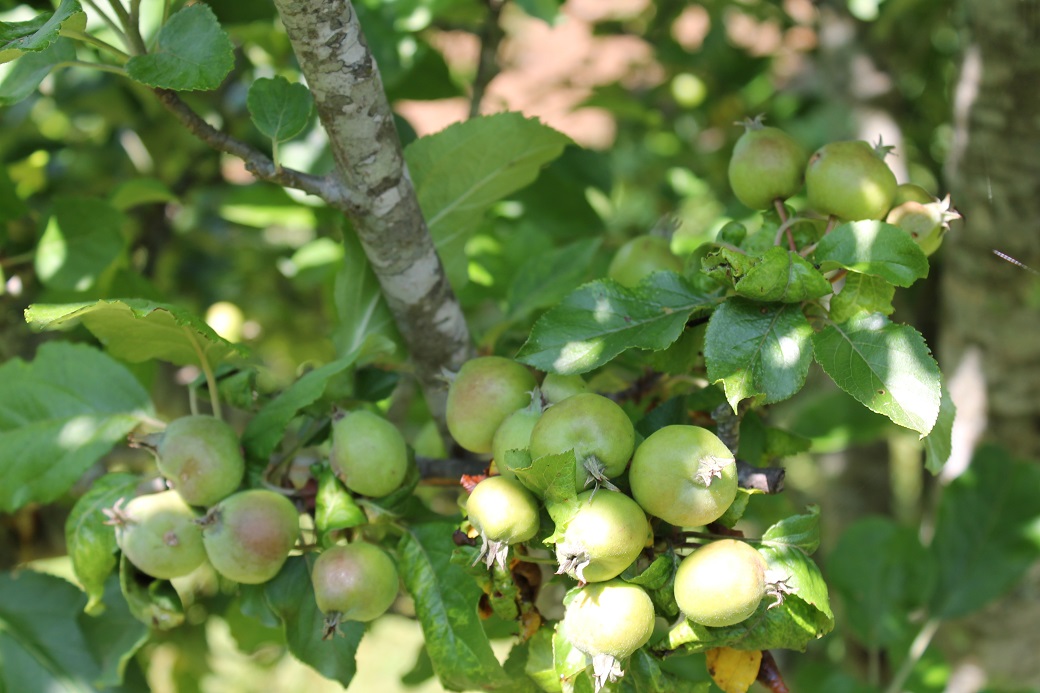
(211, 380)
(913, 656)
(781, 212)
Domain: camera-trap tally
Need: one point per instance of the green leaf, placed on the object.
(265, 430)
(887, 367)
(446, 605)
(645, 675)
(875, 248)
(191, 52)
(91, 544)
(802, 575)
(758, 349)
(938, 444)
(137, 330)
(552, 477)
(334, 507)
(114, 636)
(460, 172)
(152, 602)
(11, 206)
(791, 626)
(883, 574)
(140, 191)
(546, 278)
(279, 109)
(804, 615)
(540, 666)
(364, 321)
(601, 319)
(862, 293)
(799, 531)
(36, 34)
(82, 240)
(546, 10)
(987, 533)
(657, 574)
(42, 644)
(291, 596)
(59, 414)
(784, 276)
(32, 68)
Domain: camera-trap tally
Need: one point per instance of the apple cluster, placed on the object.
(844, 181)
(679, 476)
(246, 535)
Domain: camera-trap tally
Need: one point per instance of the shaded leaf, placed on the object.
(82, 240)
(987, 533)
(875, 248)
(544, 279)
(59, 414)
(601, 319)
(42, 644)
(191, 52)
(364, 323)
(446, 604)
(887, 367)
(862, 293)
(11, 206)
(883, 574)
(792, 625)
(290, 595)
(755, 349)
(279, 109)
(644, 675)
(552, 477)
(153, 602)
(140, 191)
(36, 34)
(461, 171)
(32, 68)
(938, 444)
(91, 544)
(265, 430)
(114, 636)
(784, 276)
(137, 330)
(798, 531)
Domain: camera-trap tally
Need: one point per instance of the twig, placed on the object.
(913, 656)
(487, 65)
(109, 21)
(326, 187)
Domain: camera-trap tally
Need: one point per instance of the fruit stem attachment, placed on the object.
(211, 381)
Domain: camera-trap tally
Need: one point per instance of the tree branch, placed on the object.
(352, 106)
(259, 164)
(487, 64)
(442, 472)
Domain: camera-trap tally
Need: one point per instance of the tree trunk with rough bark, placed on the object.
(990, 326)
(348, 92)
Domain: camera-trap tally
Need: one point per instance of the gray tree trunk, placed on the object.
(990, 327)
(342, 75)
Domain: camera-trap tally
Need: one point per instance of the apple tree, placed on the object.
(445, 397)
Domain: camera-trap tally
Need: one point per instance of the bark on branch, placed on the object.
(351, 103)
(259, 164)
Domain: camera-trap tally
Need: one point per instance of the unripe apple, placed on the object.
(926, 223)
(641, 256)
(612, 618)
(684, 475)
(594, 427)
(850, 181)
(720, 584)
(767, 165)
(603, 537)
(486, 390)
(249, 534)
(354, 582)
(158, 534)
(505, 513)
(368, 453)
(201, 457)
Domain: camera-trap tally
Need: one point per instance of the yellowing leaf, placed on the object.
(733, 670)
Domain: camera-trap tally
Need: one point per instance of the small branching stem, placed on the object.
(207, 370)
(96, 42)
(913, 656)
(109, 21)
